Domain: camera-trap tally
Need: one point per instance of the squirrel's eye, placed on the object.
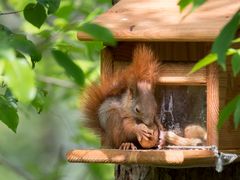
(137, 110)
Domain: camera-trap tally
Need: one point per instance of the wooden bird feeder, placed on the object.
(179, 42)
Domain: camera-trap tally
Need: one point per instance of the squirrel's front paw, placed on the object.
(143, 132)
(127, 146)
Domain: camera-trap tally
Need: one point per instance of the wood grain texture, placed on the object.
(154, 20)
(212, 104)
(153, 157)
(174, 73)
(229, 137)
(163, 158)
(164, 51)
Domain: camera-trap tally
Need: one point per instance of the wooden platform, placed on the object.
(162, 158)
(161, 20)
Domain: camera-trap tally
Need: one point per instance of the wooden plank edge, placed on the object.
(164, 158)
(85, 37)
(182, 81)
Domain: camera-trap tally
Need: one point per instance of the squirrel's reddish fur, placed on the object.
(144, 67)
(121, 123)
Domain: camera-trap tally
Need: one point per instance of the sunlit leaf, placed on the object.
(237, 114)
(8, 114)
(6, 53)
(224, 40)
(92, 15)
(210, 58)
(70, 67)
(51, 5)
(237, 40)
(35, 14)
(227, 111)
(98, 32)
(236, 63)
(20, 78)
(65, 11)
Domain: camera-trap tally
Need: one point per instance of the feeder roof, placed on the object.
(161, 20)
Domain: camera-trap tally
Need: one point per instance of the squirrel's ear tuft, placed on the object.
(145, 64)
(143, 54)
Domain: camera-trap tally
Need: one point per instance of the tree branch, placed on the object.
(55, 81)
(7, 13)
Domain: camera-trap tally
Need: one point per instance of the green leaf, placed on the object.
(184, 3)
(8, 114)
(35, 14)
(10, 98)
(227, 111)
(23, 45)
(4, 43)
(197, 3)
(237, 114)
(236, 63)
(210, 58)
(70, 67)
(65, 11)
(93, 15)
(224, 39)
(98, 32)
(237, 40)
(18, 42)
(20, 78)
(51, 5)
(39, 100)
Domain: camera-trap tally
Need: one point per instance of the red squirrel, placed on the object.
(122, 108)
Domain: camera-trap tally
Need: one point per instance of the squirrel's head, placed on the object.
(144, 105)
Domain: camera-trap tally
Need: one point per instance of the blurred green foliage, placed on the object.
(38, 89)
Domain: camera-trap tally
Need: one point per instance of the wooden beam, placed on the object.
(212, 104)
(161, 158)
(178, 73)
(175, 73)
(165, 158)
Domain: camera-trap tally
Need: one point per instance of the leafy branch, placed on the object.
(19, 55)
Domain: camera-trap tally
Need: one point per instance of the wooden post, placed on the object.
(212, 104)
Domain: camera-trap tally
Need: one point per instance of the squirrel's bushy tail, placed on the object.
(144, 67)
